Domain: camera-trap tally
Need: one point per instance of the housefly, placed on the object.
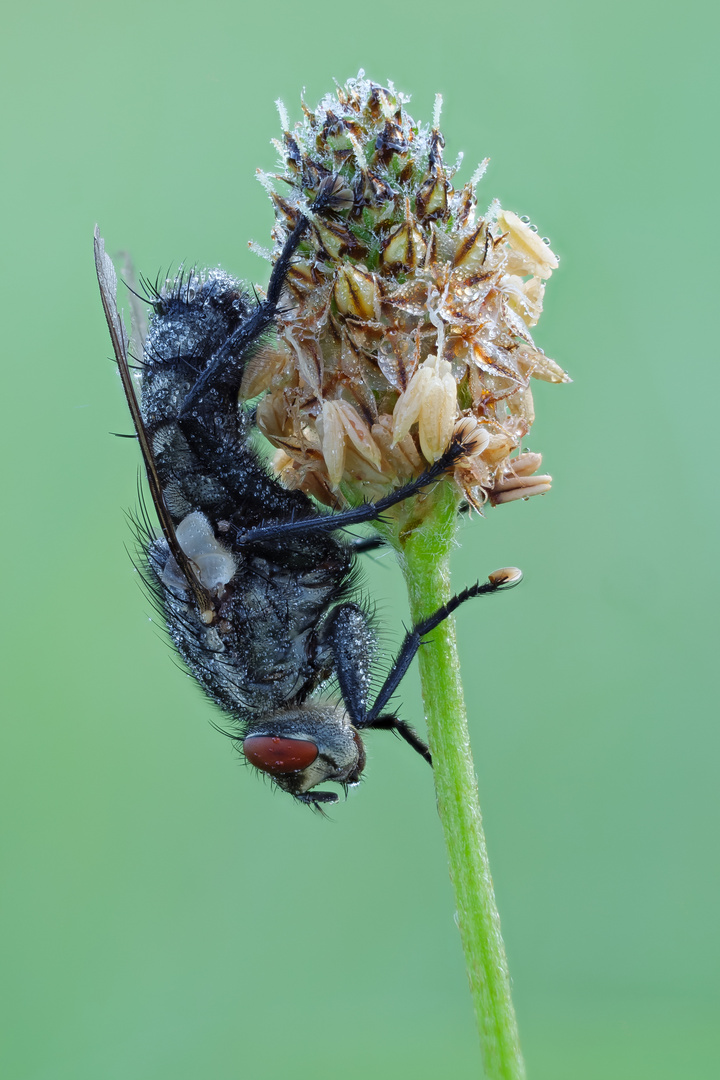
(254, 582)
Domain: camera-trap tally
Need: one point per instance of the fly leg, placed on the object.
(352, 643)
(359, 514)
(221, 378)
(349, 637)
(375, 717)
(359, 545)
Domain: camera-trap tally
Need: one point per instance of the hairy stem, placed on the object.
(425, 558)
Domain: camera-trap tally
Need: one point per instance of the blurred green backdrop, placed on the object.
(166, 916)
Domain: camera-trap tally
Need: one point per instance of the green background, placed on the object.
(166, 915)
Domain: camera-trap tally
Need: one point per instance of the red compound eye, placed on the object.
(277, 756)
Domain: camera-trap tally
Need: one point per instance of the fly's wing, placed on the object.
(138, 317)
(107, 280)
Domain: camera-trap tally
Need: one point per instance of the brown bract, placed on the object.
(407, 319)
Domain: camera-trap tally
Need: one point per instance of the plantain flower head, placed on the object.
(407, 321)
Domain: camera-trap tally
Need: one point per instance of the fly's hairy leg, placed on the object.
(359, 514)
(221, 379)
(367, 543)
(351, 641)
(413, 640)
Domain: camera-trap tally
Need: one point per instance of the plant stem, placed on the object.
(425, 559)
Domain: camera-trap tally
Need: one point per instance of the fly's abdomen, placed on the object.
(193, 317)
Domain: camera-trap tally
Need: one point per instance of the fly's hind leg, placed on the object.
(222, 377)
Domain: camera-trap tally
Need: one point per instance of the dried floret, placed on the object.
(408, 316)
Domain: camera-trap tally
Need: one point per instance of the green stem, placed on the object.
(425, 558)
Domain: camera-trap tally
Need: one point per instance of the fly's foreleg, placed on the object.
(352, 643)
(500, 579)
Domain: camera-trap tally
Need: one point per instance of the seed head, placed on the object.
(407, 320)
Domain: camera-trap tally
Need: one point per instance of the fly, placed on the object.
(254, 582)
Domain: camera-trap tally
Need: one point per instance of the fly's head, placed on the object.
(305, 746)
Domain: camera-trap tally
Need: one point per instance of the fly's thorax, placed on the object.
(305, 746)
(262, 652)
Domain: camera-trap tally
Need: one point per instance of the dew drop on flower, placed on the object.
(402, 269)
